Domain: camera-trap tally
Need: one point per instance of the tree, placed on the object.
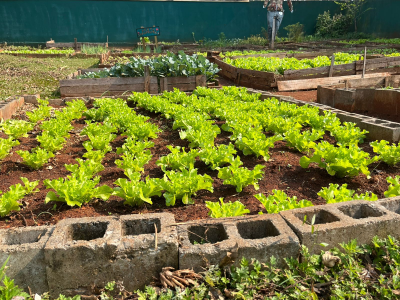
(353, 8)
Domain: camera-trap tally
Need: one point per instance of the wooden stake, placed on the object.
(272, 46)
(147, 79)
(156, 237)
(76, 44)
(365, 62)
(107, 42)
(156, 41)
(332, 65)
(144, 44)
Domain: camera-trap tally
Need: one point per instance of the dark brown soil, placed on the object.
(282, 171)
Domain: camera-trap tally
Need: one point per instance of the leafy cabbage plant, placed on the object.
(339, 161)
(279, 201)
(389, 154)
(224, 210)
(335, 194)
(241, 177)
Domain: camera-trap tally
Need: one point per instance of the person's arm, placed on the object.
(265, 3)
(289, 2)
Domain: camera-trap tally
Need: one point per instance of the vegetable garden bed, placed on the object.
(267, 80)
(179, 120)
(151, 75)
(116, 86)
(377, 97)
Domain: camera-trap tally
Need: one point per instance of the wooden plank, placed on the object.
(182, 87)
(105, 81)
(98, 90)
(181, 80)
(367, 82)
(201, 80)
(310, 84)
(260, 74)
(147, 79)
(332, 65)
(319, 70)
(163, 84)
(279, 55)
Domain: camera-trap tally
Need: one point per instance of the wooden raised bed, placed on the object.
(76, 45)
(38, 55)
(268, 80)
(116, 86)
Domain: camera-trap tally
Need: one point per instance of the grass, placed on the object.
(93, 49)
(24, 75)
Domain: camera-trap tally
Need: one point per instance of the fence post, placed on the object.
(147, 79)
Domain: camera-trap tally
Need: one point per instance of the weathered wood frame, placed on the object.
(116, 86)
(303, 79)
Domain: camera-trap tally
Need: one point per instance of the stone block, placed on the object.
(205, 243)
(25, 249)
(32, 98)
(363, 99)
(344, 99)
(7, 109)
(79, 255)
(341, 223)
(148, 243)
(326, 95)
(264, 236)
(381, 130)
(259, 237)
(351, 117)
(70, 99)
(386, 102)
(56, 102)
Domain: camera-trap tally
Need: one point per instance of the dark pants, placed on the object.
(270, 17)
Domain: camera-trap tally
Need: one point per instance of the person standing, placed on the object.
(275, 10)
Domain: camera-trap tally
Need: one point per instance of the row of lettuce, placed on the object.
(246, 117)
(280, 65)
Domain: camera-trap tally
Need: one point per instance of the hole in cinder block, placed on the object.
(361, 211)
(140, 226)
(392, 205)
(393, 125)
(23, 237)
(377, 121)
(257, 229)
(321, 217)
(208, 233)
(88, 231)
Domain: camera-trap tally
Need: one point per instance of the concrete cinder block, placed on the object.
(7, 109)
(341, 223)
(32, 98)
(344, 99)
(326, 95)
(142, 253)
(392, 204)
(205, 243)
(260, 237)
(25, 247)
(386, 102)
(79, 255)
(70, 99)
(363, 99)
(351, 117)
(57, 102)
(381, 130)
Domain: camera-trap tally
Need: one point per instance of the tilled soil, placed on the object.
(282, 172)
